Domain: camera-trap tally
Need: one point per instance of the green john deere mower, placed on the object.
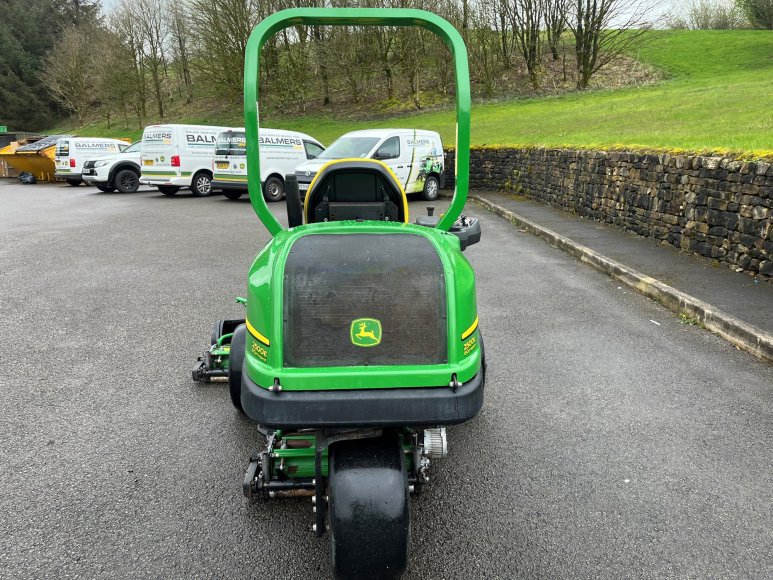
(361, 339)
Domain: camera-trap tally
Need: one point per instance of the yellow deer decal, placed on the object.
(363, 334)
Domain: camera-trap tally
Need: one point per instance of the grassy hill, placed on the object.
(717, 96)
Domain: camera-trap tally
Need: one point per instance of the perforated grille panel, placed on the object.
(333, 280)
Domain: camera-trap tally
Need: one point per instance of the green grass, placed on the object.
(717, 96)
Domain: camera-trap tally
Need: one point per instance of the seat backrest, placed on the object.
(355, 189)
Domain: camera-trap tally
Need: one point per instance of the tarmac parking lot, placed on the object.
(614, 441)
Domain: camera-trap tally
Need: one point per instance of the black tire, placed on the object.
(233, 193)
(235, 364)
(273, 189)
(127, 180)
(293, 201)
(217, 331)
(369, 511)
(431, 188)
(168, 189)
(74, 182)
(201, 185)
(106, 188)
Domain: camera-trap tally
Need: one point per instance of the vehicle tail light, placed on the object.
(72, 162)
(175, 161)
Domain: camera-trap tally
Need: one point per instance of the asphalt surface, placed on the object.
(614, 442)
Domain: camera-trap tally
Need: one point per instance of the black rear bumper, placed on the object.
(405, 407)
(217, 184)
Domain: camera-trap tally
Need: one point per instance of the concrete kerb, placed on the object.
(736, 331)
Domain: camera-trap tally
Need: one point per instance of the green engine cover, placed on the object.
(357, 305)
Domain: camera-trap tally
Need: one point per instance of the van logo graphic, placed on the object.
(365, 332)
(308, 173)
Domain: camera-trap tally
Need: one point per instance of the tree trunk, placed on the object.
(389, 82)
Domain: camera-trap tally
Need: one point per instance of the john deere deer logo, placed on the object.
(365, 332)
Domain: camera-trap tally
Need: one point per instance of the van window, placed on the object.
(231, 143)
(62, 148)
(390, 149)
(312, 150)
(349, 147)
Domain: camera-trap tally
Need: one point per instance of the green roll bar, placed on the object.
(363, 17)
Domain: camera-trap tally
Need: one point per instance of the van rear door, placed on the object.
(159, 145)
(62, 156)
(230, 160)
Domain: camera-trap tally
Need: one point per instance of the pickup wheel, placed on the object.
(126, 180)
(106, 188)
(431, 188)
(168, 189)
(201, 186)
(74, 182)
(273, 189)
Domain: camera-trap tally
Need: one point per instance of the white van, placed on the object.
(176, 156)
(280, 153)
(415, 156)
(72, 152)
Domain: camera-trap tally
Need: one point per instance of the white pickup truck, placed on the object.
(120, 171)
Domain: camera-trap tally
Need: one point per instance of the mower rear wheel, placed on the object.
(369, 511)
(235, 363)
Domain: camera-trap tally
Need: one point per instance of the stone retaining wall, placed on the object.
(721, 208)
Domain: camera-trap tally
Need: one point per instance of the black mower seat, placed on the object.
(355, 189)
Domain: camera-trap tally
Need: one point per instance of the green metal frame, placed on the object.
(362, 17)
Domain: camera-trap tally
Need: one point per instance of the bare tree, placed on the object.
(603, 30)
(126, 27)
(410, 50)
(114, 74)
(758, 12)
(484, 44)
(180, 37)
(554, 17)
(527, 18)
(223, 28)
(151, 19)
(67, 71)
(501, 25)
